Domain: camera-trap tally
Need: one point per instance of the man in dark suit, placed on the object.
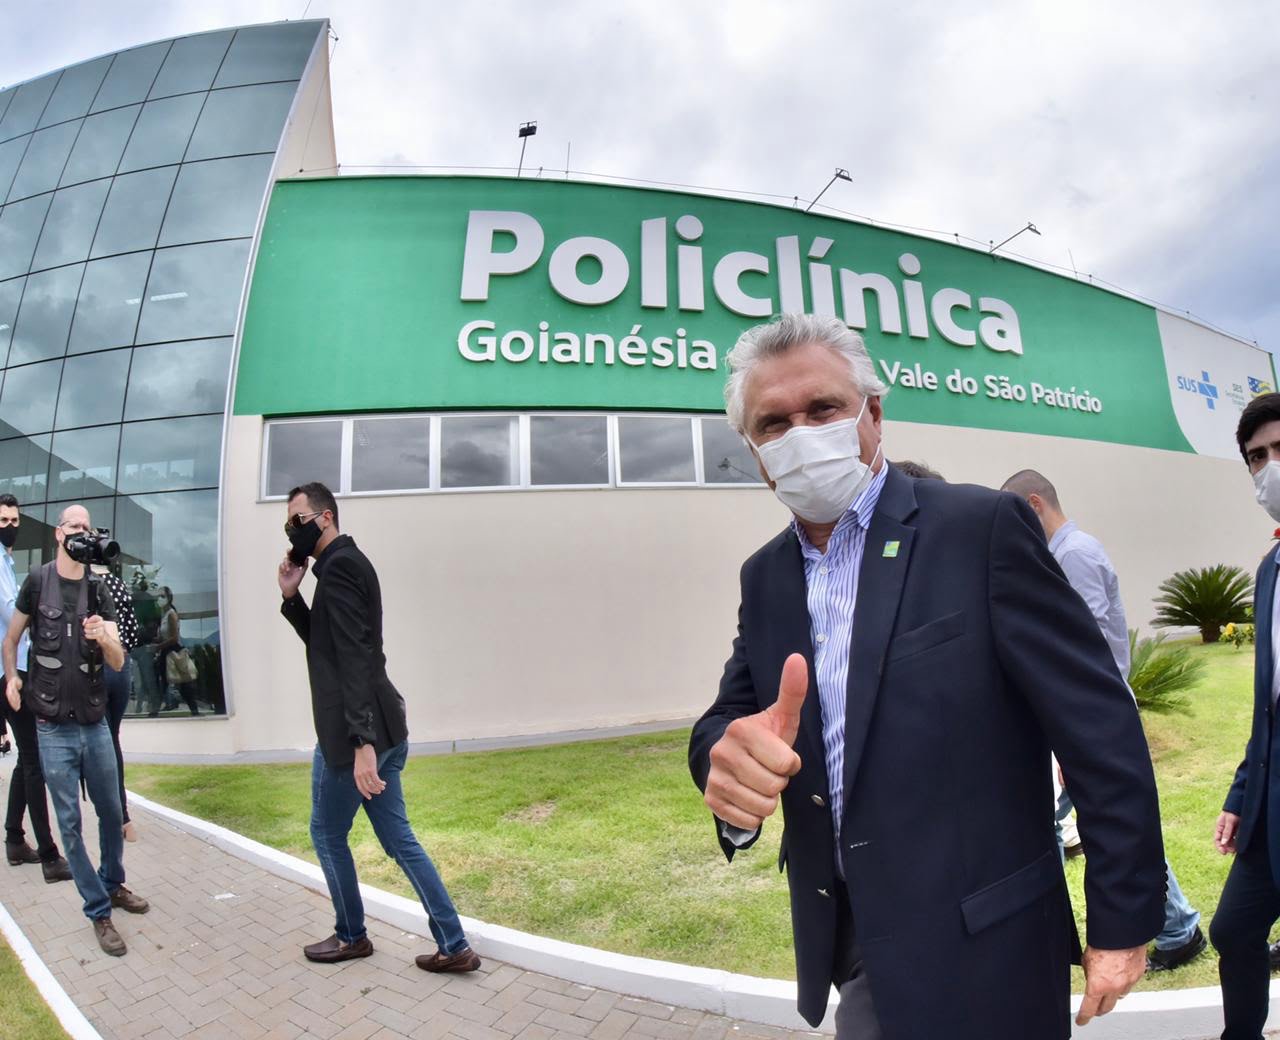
(362, 735)
(908, 652)
(1249, 825)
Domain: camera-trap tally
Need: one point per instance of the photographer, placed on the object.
(26, 787)
(66, 692)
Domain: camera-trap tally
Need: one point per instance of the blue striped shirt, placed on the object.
(831, 579)
(8, 604)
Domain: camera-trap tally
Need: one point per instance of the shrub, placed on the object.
(1205, 599)
(1159, 673)
(1237, 635)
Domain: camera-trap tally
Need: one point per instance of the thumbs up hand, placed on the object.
(753, 762)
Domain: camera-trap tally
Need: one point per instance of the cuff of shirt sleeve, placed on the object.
(737, 836)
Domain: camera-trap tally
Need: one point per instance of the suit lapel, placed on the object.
(794, 636)
(880, 583)
(1263, 604)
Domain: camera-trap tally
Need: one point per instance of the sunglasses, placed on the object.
(298, 519)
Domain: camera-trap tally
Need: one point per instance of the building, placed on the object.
(515, 387)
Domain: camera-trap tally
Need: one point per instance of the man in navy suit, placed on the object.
(908, 652)
(1249, 825)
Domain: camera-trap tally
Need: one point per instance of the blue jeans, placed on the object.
(1180, 918)
(334, 803)
(69, 751)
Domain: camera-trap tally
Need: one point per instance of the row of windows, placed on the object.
(468, 452)
(228, 58)
(179, 293)
(191, 128)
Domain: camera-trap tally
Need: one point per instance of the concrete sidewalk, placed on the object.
(219, 956)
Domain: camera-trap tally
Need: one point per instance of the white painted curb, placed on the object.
(1186, 1014)
(64, 1009)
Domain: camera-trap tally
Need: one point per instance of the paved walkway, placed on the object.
(219, 956)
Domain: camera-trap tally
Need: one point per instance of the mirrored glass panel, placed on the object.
(28, 102)
(20, 224)
(10, 296)
(70, 224)
(169, 561)
(726, 459)
(84, 463)
(162, 132)
(267, 53)
(241, 120)
(75, 91)
(216, 199)
(42, 165)
(655, 450)
(135, 207)
(568, 449)
(92, 389)
(97, 150)
(131, 76)
(11, 153)
(170, 454)
(109, 303)
(178, 379)
(390, 454)
(191, 64)
(24, 468)
(44, 319)
(30, 392)
(194, 291)
(300, 452)
(479, 451)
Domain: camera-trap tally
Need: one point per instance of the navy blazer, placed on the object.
(971, 657)
(1253, 779)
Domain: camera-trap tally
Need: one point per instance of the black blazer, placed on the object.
(1253, 780)
(971, 657)
(351, 695)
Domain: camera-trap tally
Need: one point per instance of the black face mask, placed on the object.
(303, 539)
(8, 535)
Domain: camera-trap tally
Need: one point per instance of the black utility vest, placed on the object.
(65, 670)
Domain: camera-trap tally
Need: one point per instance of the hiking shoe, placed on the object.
(465, 959)
(1167, 960)
(108, 938)
(127, 901)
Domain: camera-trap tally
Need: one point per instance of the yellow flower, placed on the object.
(1230, 630)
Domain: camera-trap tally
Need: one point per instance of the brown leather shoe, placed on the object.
(56, 870)
(333, 949)
(108, 938)
(18, 853)
(465, 959)
(127, 901)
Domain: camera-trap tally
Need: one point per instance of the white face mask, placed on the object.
(1266, 484)
(818, 471)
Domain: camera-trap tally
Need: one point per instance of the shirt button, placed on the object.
(817, 800)
(822, 570)
(821, 638)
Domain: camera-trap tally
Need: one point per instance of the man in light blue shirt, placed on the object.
(26, 787)
(1088, 568)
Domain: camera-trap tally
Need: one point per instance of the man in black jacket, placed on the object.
(362, 735)
(908, 652)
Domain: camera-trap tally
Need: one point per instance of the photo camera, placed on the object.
(92, 547)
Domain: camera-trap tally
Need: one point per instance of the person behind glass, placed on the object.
(362, 734)
(120, 682)
(26, 786)
(66, 693)
(169, 642)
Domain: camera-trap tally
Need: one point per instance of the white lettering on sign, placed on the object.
(479, 341)
(506, 243)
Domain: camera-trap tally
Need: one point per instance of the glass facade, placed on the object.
(130, 187)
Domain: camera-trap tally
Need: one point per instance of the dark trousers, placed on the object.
(118, 684)
(1249, 906)
(26, 787)
(856, 1017)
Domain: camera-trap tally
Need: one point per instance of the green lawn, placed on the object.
(608, 844)
(23, 1013)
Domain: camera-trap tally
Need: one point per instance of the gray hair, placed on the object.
(784, 333)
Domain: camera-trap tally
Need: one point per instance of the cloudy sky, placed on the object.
(1141, 138)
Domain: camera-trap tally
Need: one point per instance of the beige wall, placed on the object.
(535, 612)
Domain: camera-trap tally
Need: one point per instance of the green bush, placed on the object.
(1237, 635)
(1205, 599)
(1159, 673)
